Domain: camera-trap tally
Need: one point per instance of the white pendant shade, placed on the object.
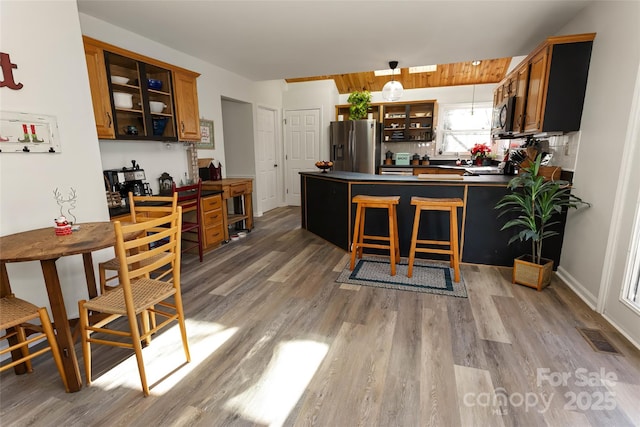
(392, 90)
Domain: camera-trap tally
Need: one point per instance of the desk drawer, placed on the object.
(213, 235)
(237, 189)
(213, 217)
(211, 203)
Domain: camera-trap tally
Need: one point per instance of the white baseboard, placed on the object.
(586, 296)
(591, 300)
(622, 331)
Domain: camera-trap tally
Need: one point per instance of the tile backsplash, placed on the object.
(422, 148)
(564, 148)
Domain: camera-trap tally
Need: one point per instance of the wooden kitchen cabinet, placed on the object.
(177, 117)
(409, 122)
(212, 220)
(521, 82)
(549, 85)
(343, 110)
(535, 96)
(96, 69)
(186, 95)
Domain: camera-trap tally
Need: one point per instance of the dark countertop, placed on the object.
(124, 210)
(500, 180)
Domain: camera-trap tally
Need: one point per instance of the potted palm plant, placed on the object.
(535, 202)
(360, 103)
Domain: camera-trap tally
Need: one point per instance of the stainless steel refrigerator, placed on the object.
(355, 145)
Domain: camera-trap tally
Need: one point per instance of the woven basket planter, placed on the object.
(530, 274)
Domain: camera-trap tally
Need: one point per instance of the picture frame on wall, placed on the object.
(206, 135)
(28, 133)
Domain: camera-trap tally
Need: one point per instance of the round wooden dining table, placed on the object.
(45, 246)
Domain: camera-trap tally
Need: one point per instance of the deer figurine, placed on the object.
(66, 204)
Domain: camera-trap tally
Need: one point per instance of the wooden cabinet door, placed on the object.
(498, 95)
(187, 111)
(99, 87)
(522, 79)
(536, 92)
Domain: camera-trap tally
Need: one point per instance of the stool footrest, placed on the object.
(434, 242)
(373, 246)
(383, 238)
(434, 251)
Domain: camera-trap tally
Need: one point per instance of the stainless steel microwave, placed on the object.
(503, 117)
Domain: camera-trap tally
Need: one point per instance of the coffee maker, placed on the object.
(127, 180)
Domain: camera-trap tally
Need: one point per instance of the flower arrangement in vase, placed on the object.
(479, 152)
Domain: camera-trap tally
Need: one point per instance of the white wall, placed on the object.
(594, 255)
(43, 39)
(321, 94)
(238, 137)
(153, 156)
(604, 125)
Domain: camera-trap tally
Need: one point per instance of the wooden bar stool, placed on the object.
(430, 204)
(382, 202)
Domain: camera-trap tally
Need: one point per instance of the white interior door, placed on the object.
(302, 148)
(267, 160)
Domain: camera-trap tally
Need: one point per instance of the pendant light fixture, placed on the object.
(392, 90)
(473, 98)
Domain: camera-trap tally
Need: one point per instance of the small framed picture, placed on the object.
(206, 135)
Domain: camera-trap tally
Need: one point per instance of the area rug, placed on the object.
(427, 277)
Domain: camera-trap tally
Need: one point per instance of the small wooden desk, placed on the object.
(44, 246)
(239, 190)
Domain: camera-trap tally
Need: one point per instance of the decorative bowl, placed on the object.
(157, 107)
(122, 100)
(420, 114)
(154, 84)
(119, 80)
(324, 165)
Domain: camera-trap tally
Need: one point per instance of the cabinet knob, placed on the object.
(275, 166)
(182, 125)
(109, 117)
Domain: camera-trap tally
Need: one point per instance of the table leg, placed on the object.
(60, 319)
(90, 274)
(248, 211)
(5, 290)
(225, 219)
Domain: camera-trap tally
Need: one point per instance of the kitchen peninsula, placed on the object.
(328, 212)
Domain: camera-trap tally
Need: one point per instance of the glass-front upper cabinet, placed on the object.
(141, 98)
(409, 122)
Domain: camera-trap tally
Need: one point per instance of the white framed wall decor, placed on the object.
(28, 133)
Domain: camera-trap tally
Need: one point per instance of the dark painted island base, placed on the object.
(328, 212)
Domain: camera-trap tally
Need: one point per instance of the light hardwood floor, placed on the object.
(276, 341)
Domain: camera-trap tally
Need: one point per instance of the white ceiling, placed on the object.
(265, 40)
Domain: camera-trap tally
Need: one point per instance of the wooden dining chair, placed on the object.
(142, 209)
(189, 200)
(157, 247)
(15, 314)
